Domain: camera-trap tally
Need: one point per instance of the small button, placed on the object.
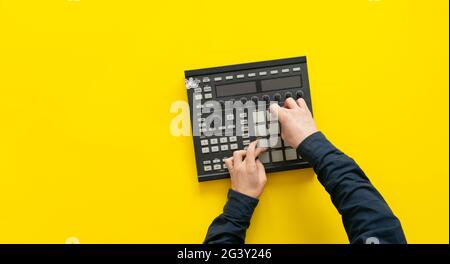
(216, 160)
(206, 162)
(246, 142)
(262, 73)
(208, 96)
(217, 167)
(198, 90)
(277, 155)
(266, 98)
(252, 74)
(207, 168)
(273, 71)
(204, 142)
(291, 154)
(260, 130)
(255, 99)
(205, 79)
(218, 79)
(229, 77)
(230, 117)
(296, 69)
(233, 139)
(277, 97)
(263, 143)
(209, 105)
(207, 88)
(299, 94)
(234, 146)
(213, 141)
(275, 142)
(244, 100)
(198, 97)
(223, 140)
(214, 148)
(245, 135)
(264, 157)
(285, 70)
(243, 115)
(205, 150)
(230, 102)
(224, 147)
(288, 95)
(258, 116)
(240, 76)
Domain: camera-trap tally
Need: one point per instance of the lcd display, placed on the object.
(235, 89)
(281, 83)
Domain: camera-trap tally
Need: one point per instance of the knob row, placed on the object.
(276, 97)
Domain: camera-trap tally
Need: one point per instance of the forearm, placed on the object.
(230, 227)
(364, 212)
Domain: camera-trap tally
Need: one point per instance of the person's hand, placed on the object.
(247, 173)
(296, 121)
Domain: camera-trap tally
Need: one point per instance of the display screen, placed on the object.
(281, 83)
(235, 89)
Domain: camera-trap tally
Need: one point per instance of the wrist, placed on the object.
(250, 193)
(239, 206)
(303, 136)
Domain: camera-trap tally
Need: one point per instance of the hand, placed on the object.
(247, 173)
(296, 121)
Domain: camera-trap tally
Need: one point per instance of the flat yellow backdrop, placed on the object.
(86, 86)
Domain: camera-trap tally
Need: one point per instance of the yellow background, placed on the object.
(86, 87)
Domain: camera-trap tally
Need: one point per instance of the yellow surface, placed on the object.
(86, 87)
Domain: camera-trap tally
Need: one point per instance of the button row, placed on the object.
(251, 74)
(277, 155)
(213, 167)
(215, 164)
(223, 147)
(276, 97)
(266, 157)
(213, 141)
(205, 89)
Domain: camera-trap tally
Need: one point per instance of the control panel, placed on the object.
(229, 109)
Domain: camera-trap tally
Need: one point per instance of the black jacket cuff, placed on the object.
(239, 206)
(314, 147)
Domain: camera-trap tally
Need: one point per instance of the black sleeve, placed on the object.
(231, 225)
(366, 216)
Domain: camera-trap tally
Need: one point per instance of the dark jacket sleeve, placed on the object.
(366, 216)
(230, 227)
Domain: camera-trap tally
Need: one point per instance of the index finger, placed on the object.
(229, 163)
(259, 150)
(251, 153)
(238, 156)
(276, 112)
